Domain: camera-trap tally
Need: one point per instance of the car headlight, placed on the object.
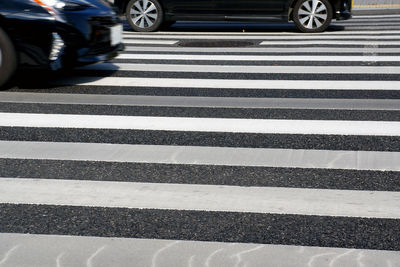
(53, 5)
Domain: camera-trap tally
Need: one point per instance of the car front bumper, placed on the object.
(76, 38)
(93, 58)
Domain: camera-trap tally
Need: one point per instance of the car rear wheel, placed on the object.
(8, 58)
(144, 15)
(312, 15)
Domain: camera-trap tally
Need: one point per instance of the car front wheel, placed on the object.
(312, 15)
(8, 59)
(144, 15)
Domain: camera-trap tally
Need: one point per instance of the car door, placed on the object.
(189, 8)
(251, 8)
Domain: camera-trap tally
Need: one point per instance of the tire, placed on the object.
(312, 15)
(8, 58)
(144, 15)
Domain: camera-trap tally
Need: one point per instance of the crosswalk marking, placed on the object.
(320, 38)
(367, 24)
(321, 42)
(262, 157)
(261, 58)
(280, 138)
(150, 42)
(249, 69)
(283, 34)
(201, 197)
(119, 252)
(374, 17)
(385, 128)
(386, 18)
(391, 40)
(232, 84)
(210, 102)
(264, 49)
(361, 27)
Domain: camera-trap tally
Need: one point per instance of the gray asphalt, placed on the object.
(294, 114)
(200, 174)
(240, 76)
(362, 233)
(113, 136)
(302, 230)
(39, 87)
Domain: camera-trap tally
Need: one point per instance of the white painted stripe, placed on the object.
(345, 58)
(361, 28)
(293, 37)
(321, 202)
(264, 49)
(370, 21)
(387, 19)
(119, 252)
(247, 69)
(321, 39)
(209, 102)
(364, 24)
(230, 84)
(383, 128)
(312, 42)
(378, 17)
(156, 42)
(257, 157)
(283, 33)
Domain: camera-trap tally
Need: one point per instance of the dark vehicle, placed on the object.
(52, 34)
(309, 15)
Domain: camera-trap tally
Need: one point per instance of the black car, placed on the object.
(52, 34)
(309, 15)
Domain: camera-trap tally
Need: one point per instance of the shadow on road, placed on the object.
(43, 79)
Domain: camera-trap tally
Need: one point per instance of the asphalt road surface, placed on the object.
(209, 144)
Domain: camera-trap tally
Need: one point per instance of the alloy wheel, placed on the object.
(144, 14)
(312, 14)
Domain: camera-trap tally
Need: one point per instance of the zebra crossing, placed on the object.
(210, 144)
